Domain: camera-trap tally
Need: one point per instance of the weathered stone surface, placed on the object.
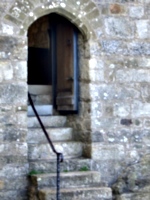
(20, 71)
(13, 194)
(44, 151)
(80, 194)
(75, 164)
(6, 71)
(119, 27)
(42, 110)
(116, 8)
(7, 29)
(136, 11)
(68, 179)
(104, 123)
(143, 27)
(133, 75)
(107, 152)
(49, 121)
(114, 83)
(140, 109)
(135, 180)
(56, 134)
(14, 149)
(14, 170)
(114, 47)
(14, 93)
(121, 110)
(12, 133)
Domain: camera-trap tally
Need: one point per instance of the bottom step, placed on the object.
(94, 193)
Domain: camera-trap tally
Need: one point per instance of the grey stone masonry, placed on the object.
(114, 86)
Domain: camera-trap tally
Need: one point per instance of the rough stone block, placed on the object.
(140, 109)
(14, 149)
(119, 27)
(44, 151)
(121, 136)
(16, 183)
(88, 193)
(114, 47)
(107, 152)
(116, 9)
(133, 75)
(95, 63)
(101, 123)
(12, 133)
(6, 71)
(142, 29)
(14, 170)
(121, 110)
(1, 185)
(13, 93)
(20, 69)
(13, 20)
(136, 11)
(13, 194)
(69, 179)
(48, 166)
(138, 48)
(97, 75)
(85, 91)
(48, 121)
(16, 12)
(56, 134)
(7, 29)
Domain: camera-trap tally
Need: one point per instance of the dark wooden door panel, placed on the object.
(65, 65)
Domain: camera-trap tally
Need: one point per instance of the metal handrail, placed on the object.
(59, 155)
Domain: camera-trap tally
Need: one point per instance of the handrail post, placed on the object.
(59, 159)
(58, 178)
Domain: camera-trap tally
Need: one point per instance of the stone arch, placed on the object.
(84, 14)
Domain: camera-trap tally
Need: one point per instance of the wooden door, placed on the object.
(65, 65)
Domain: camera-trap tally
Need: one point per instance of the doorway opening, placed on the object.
(53, 65)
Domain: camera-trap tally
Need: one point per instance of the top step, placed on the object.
(48, 121)
(42, 110)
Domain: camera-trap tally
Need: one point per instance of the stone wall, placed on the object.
(114, 89)
(119, 87)
(13, 125)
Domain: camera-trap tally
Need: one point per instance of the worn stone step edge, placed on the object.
(48, 121)
(43, 151)
(75, 164)
(89, 193)
(42, 110)
(36, 135)
(67, 179)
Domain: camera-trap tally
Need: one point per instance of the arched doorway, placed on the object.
(53, 64)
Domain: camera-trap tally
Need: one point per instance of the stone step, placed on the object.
(44, 151)
(36, 135)
(49, 166)
(42, 110)
(40, 89)
(67, 179)
(48, 121)
(88, 193)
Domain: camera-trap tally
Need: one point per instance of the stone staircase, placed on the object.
(77, 181)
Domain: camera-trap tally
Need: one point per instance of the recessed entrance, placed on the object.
(53, 64)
